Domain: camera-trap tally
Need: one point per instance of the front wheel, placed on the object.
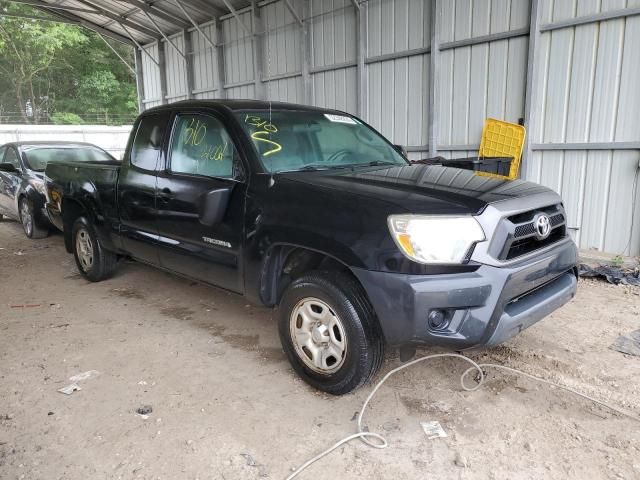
(329, 332)
(28, 220)
(94, 262)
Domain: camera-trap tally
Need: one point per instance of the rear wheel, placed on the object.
(94, 262)
(29, 224)
(329, 332)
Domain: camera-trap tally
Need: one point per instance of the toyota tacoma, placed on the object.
(314, 212)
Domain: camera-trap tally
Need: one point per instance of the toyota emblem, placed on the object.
(542, 225)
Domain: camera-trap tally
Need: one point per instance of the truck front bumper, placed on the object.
(480, 308)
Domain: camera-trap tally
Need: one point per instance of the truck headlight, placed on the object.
(435, 238)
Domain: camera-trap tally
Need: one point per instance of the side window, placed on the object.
(201, 146)
(2, 150)
(12, 157)
(145, 151)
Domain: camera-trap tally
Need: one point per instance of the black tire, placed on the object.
(102, 263)
(28, 219)
(349, 304)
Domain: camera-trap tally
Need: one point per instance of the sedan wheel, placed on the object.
(27, 217)
(84, 249)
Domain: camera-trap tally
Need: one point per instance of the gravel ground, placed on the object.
(226, 404)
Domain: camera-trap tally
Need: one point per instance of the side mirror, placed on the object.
(213, 206)
(401, 150)
(8, 168)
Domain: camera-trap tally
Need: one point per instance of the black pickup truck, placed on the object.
(313, 211)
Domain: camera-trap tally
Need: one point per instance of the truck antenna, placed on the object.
(272, 180)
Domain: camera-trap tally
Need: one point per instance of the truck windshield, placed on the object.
(38, 157)
(289, 140)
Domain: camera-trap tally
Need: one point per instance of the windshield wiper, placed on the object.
(375, 163)
(311, 168)
(315, 167)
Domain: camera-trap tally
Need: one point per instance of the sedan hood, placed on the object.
(421, 188)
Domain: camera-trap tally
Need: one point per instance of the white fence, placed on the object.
(111, 139)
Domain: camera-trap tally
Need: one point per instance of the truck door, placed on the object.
(200, 199)
(137, 188)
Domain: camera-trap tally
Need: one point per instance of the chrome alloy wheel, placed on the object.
(26, 217)
(84, 249)
(318, 335)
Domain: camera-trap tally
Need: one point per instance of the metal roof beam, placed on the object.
(157, 12)
(126, 14)
(137, 44)
(194, 23)
(287, 3)
(36, 17)
(118, 55)
(180, 52)
(237, 17)
(46, 7)
(120, 19)
(205, 7)
(35, 3)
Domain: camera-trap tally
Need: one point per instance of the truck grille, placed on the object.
(522, 237)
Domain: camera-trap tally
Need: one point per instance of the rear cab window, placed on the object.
(145, 151)
(201, 145)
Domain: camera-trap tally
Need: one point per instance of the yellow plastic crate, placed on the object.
(502, 139)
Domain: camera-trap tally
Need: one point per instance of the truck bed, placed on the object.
(71, 181)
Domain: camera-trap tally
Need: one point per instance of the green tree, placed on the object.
(48, 68)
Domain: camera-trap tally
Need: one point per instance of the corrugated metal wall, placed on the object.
(583, 87)
(205, 60)
(588, 86)
(398, 102)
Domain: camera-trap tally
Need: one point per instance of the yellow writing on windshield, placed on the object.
(265, 128)
(276, 146)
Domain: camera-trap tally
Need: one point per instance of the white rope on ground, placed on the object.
(477, 367)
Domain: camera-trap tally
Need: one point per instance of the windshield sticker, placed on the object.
(340, 119)
(265, 128)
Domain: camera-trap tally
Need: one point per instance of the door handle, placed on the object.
(165, 194)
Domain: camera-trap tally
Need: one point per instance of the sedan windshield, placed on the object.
(289, 140)
(38, 157)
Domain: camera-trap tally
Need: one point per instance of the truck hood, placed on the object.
(420, 188)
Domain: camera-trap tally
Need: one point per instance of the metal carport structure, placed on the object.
(424, 72)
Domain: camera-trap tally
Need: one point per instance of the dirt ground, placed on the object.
(226, 404)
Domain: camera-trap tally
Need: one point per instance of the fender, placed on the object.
(267, 253)
(85, 201)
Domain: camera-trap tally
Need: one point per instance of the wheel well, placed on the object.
(285, 263)
(71, 211)
(22, 195)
